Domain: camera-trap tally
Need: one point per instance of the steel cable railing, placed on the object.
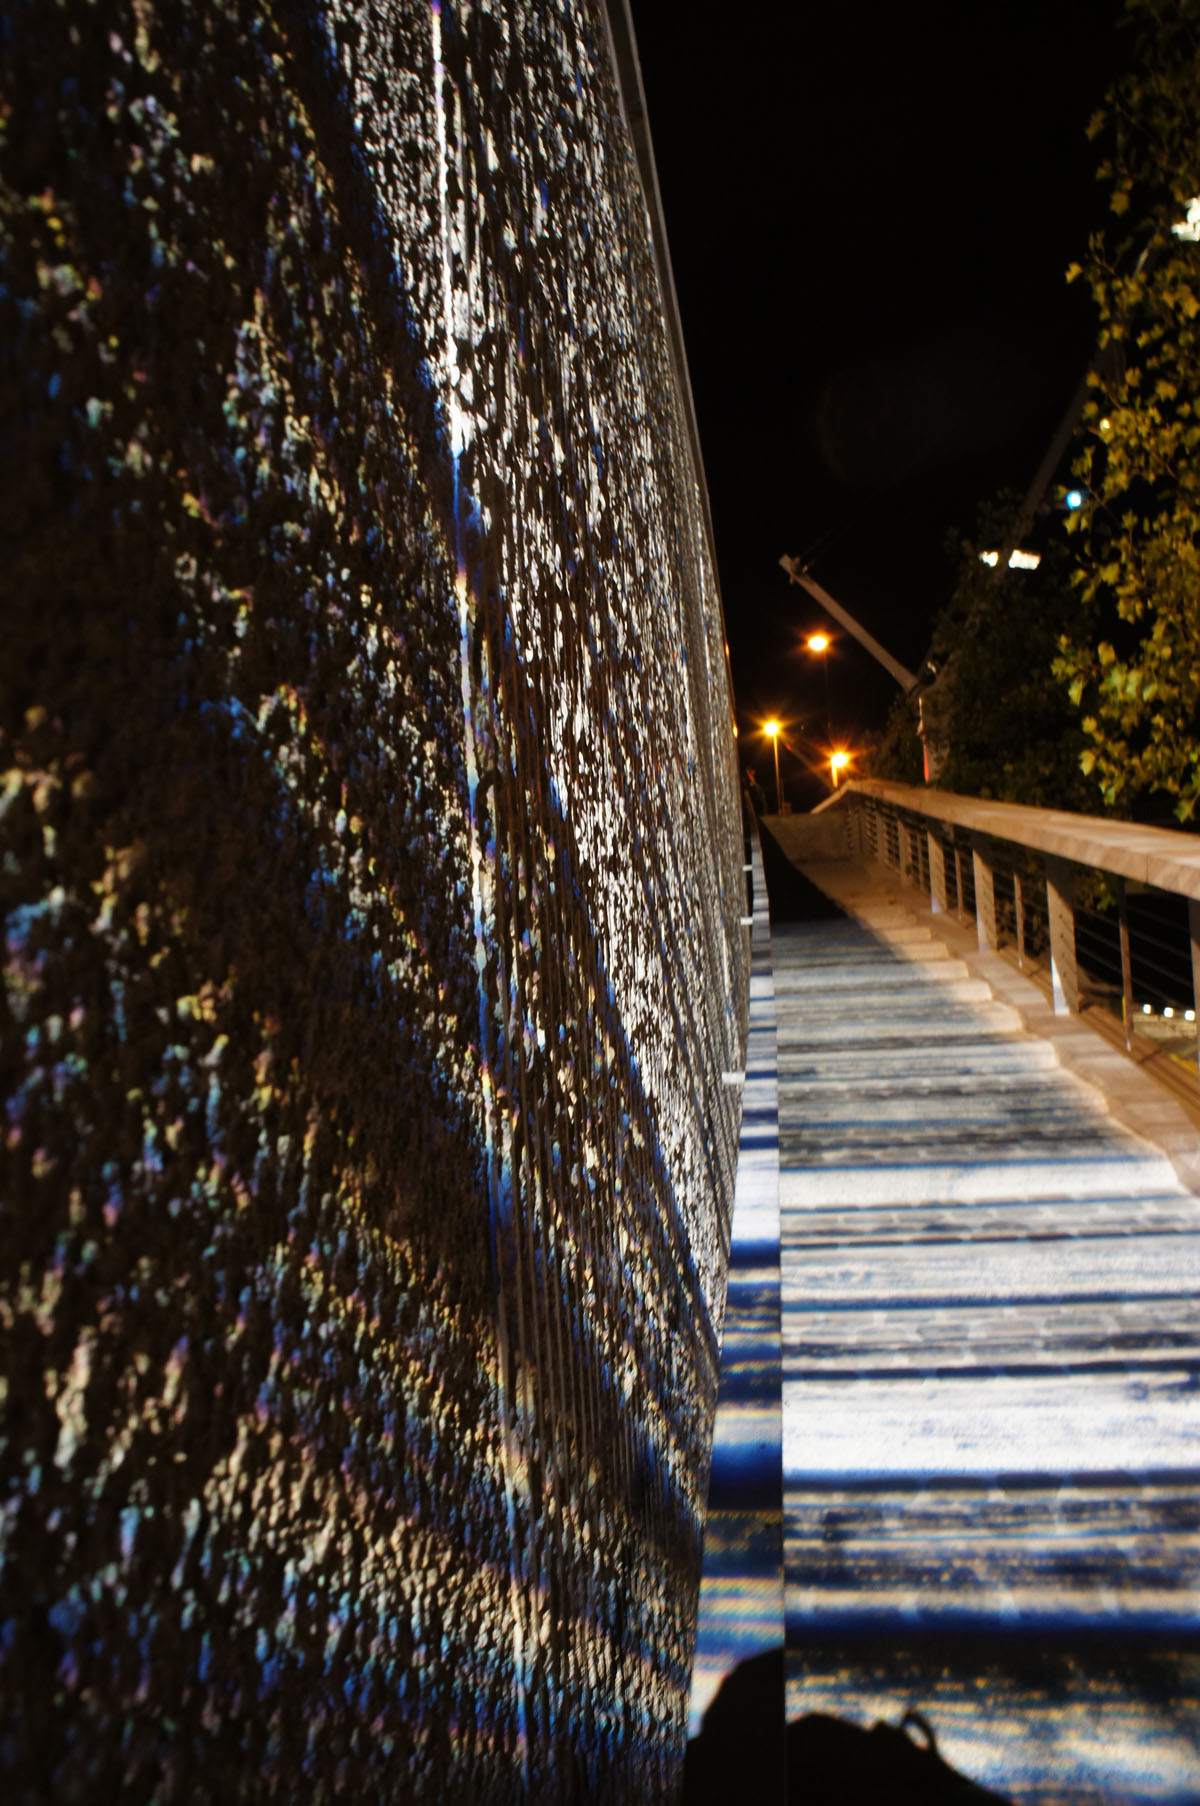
(1106, 914)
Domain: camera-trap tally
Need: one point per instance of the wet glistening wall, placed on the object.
(372, 893)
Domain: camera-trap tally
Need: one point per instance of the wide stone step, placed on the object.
(1016, 1340)
(1139, 1422)
(866, 1001)
(925, 1144)
(859, 1108)
(934, 1181)
(1005, 1084)
(788, 955)
(918, 1222)
(1021, 1549)
(865, 1280)
(882, 975)
(913, 1021)
(961, 1055)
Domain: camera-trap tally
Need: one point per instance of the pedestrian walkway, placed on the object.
(991, 1355)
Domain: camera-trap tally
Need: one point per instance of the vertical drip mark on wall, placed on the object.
(483, 907)
(457, 420)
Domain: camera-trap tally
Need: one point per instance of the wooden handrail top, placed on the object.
(1158, 856)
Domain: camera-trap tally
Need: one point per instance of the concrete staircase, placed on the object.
(991, 1357)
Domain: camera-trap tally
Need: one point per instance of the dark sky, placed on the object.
(870, 211)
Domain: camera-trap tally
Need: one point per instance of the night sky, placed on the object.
(870, 214)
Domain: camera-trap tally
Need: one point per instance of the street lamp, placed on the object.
(818, 644)
(771, 729)
(838, 761)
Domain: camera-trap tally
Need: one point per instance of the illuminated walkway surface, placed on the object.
(991, 1356)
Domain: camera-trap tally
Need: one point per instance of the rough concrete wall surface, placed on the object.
(371, 887)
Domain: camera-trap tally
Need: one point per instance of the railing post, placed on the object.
(1019, 913)
(986, 931)
(903, 846)
(1064, 973)
(1127, 963)
(958, 883)
(937, 874)
(850, 824)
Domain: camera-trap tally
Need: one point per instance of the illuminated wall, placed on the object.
(371, 875)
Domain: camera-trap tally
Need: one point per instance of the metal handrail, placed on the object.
(967, 865)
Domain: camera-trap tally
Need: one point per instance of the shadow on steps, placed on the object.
(744, 1752)
(792, 898)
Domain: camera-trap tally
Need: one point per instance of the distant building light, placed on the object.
(1189, 1015)
(1074, 498)
(1017, 561)
(1146, 1010)
(1189, 228)
(1168, 1012)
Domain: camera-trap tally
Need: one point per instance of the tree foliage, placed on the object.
(896, 753)
(1002, 720)
(1132, 660)
(999, 724)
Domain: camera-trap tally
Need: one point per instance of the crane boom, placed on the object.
(904, 677)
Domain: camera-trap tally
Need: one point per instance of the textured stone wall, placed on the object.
(371, 875)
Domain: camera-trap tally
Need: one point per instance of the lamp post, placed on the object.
(838, 761)
(771, 729)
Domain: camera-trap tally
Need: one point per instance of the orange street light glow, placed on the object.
(818, 642)
(773, 729)
(837, 763)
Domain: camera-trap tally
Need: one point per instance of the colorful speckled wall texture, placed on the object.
(372, 883)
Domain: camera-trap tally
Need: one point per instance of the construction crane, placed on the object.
(908, 680)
